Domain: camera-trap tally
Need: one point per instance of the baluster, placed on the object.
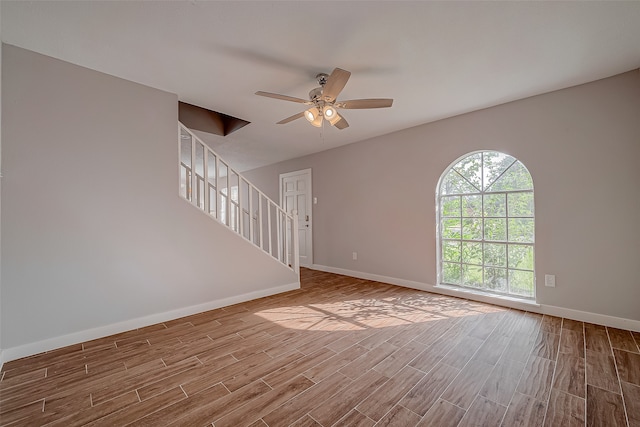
(240, 210)
(193, 168)
(205, 173)
(260, 237)
(279, 230)
(269, 229)
(250, 189)
(218, 199)
(230, 205)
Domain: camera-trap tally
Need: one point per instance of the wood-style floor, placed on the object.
(339, 351)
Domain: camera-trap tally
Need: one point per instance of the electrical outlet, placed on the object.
(550, 280)
(315, 200)
(355, 256)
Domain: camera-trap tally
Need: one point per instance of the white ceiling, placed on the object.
(436, 59)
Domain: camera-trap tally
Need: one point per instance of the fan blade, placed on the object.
(342, 123)
(335, 83)
(283, 97)
(290, 119)
(365, 103)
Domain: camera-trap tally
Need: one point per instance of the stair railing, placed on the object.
(211, 185)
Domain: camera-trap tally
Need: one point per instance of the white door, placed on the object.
(295, 194)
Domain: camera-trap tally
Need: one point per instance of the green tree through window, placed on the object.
(486, 225)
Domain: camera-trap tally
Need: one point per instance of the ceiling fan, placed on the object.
(323, 102)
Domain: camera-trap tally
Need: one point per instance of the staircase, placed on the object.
(212, 186)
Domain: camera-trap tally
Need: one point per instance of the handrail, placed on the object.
(211, 185)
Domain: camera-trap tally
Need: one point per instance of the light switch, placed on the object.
(550, 280)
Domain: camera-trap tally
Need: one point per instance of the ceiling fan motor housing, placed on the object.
(315, 94)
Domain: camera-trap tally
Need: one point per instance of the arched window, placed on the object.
(486, 225)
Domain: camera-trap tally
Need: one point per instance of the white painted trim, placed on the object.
(583, 316)
(230, 204)
(140, 322)
(479, 295)
(1, 359)
(370, 276)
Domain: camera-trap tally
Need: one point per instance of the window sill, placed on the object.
(486, 296)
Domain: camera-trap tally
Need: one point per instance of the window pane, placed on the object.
(521, 256)
(472, 253)
(451, 273)
(472, 275)
(494, 205)
(515, 178)
(472, 205)
(472, 229)
(451, 206)
(453, 183)
(495, 254)
(521, 230)
(471, 168)
(451, 250)
(451, 228)
(493, 165)
(495, 229)
(520, 204)
(521, 282)
(495, 279)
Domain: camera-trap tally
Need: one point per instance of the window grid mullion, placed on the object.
(506, 214)
(484, 279)
(460, 212)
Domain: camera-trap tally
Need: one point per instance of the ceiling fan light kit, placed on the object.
(323, 101)
(329, 112)
(335, 119)
(314, 116)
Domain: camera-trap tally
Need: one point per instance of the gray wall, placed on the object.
(94, 232)
(1, 347)
(581, 146)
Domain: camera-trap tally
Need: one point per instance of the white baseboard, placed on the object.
(370, 276)
(30, 349)
(583, 316)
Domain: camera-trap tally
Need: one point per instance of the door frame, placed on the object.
(309, 203)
